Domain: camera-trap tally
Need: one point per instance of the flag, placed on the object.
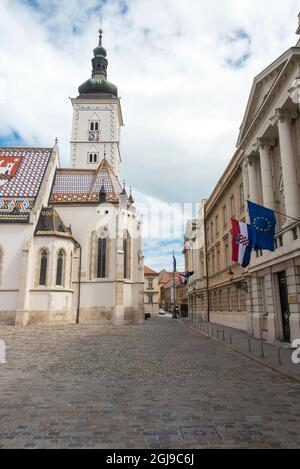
(241, 243)
(185, 278)
(263, 224)
(174, 264)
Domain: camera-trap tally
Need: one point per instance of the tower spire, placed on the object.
(98, 83)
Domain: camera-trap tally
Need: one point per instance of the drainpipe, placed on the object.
(79, 283)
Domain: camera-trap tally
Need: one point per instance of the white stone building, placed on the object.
(70, 239)
(263, 299)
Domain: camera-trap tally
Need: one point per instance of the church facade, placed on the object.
(70, 238)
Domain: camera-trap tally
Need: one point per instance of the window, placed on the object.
(224, 215)
(232, 205)
(217, 225)
(227, 255)
(101, 263)
(92, 126)
(93, 158)
(150, 284)
(242, 196)
(126, 249)
(43, 268)
(60, 268)
(150, 299)
(212, 231)
(1, 263)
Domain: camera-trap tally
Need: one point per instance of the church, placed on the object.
(70, 238)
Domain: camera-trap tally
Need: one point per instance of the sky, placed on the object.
(184, 71)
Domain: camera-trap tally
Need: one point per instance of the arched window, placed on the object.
(60, 268)
(96, 126)
(43, 268)
(71, 270)
(101, 263)
(1, 263)
(92, 126)
(95, 158)
(127, 256)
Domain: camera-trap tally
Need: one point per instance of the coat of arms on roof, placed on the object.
(8, 168)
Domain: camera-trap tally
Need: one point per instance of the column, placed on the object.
(291, 189)
(265, 150)
(252, 179)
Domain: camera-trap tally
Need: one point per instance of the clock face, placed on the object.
(94, 136)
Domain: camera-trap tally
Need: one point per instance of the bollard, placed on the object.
(262, 350)
(224, 337)
(249, 344)
(279, 356)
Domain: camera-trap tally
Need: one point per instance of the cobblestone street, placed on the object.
(158, 386)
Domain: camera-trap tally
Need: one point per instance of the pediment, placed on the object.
(261, 88)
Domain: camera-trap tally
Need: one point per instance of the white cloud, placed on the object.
(182, 102)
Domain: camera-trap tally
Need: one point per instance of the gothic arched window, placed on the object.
(43, 268)
(101, 262)
(92, 126)
(1, 263)
(60, 268)
(127, 255)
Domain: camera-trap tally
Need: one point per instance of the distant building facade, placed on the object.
(151, 291)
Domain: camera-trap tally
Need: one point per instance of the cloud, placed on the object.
(183, 69)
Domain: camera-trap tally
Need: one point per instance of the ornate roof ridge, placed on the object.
(25, 148)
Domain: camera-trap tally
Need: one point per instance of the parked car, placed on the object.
(161, 312)
(147, 316)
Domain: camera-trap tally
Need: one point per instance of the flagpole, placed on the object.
(279, 213)
(174, 289)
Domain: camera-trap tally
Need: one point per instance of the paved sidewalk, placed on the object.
(161, 385)
(275, 353)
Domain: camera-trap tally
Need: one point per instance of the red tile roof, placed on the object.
(148, 271)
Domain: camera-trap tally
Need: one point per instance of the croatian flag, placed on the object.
(241, 243)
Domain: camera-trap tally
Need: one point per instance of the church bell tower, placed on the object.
(97, 118)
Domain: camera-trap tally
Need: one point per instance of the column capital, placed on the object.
(283, 115)
(262, 142)
(249, 160)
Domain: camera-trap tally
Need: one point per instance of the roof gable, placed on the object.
(84, 185)
(51, 224)
(261, 88)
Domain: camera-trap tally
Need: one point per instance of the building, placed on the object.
(195, 261)
(170, 290)
(151, 292)
(263, 299)
(70, 239)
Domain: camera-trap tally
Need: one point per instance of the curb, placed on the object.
(285, 373)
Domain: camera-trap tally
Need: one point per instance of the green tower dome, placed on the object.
(98, 85)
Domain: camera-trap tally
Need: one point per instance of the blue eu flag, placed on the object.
(263, 224)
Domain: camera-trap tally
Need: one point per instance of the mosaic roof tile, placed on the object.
(21, 174)
(51, 224)
(79, 185)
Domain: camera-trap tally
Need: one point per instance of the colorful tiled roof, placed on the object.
(84, 185)
(21, 174)
(50, 224)
(148, 271)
